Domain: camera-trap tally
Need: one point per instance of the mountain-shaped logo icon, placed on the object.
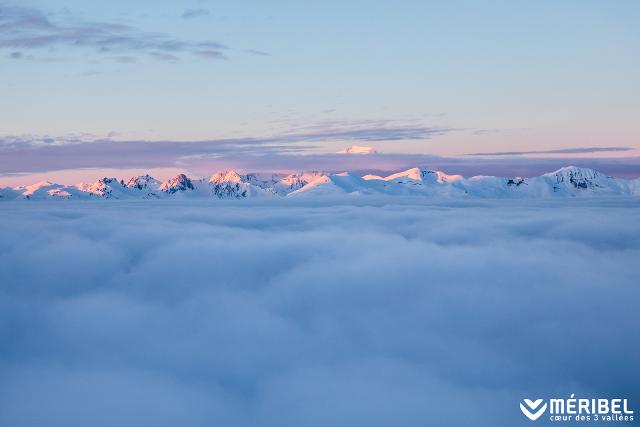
(532, 409)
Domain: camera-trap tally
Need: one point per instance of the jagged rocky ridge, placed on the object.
(566, 182)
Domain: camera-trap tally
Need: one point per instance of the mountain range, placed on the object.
(569, 181)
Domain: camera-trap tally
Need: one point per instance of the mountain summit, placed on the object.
(357, 149)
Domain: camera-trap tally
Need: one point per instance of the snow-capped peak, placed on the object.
(413, 173)
(226, 176)
(300, 178)
(574, 171)
(30, 189)
(104, 187)
(143, 182)
(179, 183)
(229, 185)
(422, 174)
(576, 177)
(372, 177)
(358, 149)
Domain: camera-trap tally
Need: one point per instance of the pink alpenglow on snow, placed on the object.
(357, 149)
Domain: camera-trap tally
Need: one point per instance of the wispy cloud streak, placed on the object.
(579, 150)
(31, 29)
(29, 153)
(194, 13)
(296, 149)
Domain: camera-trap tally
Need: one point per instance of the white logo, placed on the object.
(579, 409)
(530, 409)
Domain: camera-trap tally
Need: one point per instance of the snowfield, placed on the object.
(362, 312)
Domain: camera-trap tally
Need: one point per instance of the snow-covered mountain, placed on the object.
(144, 182)
(179, 184)
(231, 185)
(358, 149)
(105, 188)
(569, 181)
(295, 181)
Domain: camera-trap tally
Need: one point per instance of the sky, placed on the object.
(198, 85)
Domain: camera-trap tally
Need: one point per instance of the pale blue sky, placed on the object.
(493, 75)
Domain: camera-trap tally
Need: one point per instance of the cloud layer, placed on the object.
(216, 314)
(27, 29)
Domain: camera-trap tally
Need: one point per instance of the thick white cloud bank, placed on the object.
(270, 314)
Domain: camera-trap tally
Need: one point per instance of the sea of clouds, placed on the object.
(286, 314)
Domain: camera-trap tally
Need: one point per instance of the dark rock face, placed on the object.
(425, 173)
(228, 190)
(578, 178)
(231, 185)
(516, 182)
(140, 182)
(104, 187)
(179, 183)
